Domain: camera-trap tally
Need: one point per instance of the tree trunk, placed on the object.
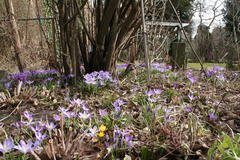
(15, 35)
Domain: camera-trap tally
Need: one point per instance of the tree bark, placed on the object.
(15, 35)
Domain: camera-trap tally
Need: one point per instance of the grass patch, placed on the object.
(205, 65)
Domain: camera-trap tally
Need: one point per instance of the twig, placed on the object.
(35, 155)
(11, 112)
(170, 152)
(230, 130)
(52, 148)
(62, 132)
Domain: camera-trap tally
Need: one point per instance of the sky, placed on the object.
(208, 14)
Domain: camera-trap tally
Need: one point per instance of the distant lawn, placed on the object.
(205, 65)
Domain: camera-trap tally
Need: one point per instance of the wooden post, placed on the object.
(15, 35)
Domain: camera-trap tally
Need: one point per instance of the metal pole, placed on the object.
(145, 43)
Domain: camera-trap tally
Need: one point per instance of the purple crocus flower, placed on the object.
(82, 69)
(50, 126)
(84, 107)
(218, 68)
(188, 109)
(102, 112)
(40, 137)
(175, 85)
(124, 132)
(211, 72)
(58, 82)
(20, 77)
(128, 140)
(191, 97)
(157, 91)
(28, 115)
(77, 102)
(167, 117)
(121, 66)
(106, 144)
(93, 131)
(47, 80)
(116, 137)
(29, 82)
(191, 78)
(42, 123)
(212, 116)
(70, 76)
(89, 79)
(37, 128)
(84, 115)
(25, 147)
(150, 93)
(7, 145)
(221, 76)
(64, 111)
(8, 85)
(56, 117)
(134, 89)
(67, 99)
(117, 104)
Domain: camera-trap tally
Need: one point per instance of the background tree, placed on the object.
(184, 9)
(232, 26)
(203, 41)
(219, 44)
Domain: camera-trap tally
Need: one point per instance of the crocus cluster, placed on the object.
(122, 137)
(217, 72)
(117, 105)
(121, 66)
(100, 78)
(191, 77)
(39, 130)
(83, 114)
(161, 67)
(30, 77)
(153, 92)
(23, 146)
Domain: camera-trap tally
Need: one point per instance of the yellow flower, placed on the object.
(101, 134)
(102, 128)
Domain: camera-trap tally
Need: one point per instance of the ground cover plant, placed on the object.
(181, 115)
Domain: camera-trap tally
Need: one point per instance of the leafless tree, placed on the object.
(15, 35)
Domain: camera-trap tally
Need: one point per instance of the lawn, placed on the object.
(205, 65)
